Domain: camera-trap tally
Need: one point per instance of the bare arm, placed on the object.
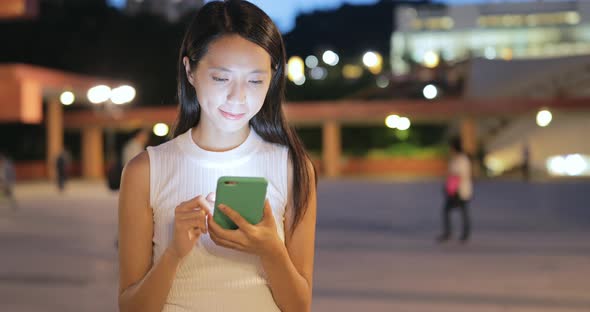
(289, 267)
(142, 286)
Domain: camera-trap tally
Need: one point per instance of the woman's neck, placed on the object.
(214, 140)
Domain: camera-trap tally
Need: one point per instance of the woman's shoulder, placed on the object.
(138, 168)
(140, 164)
(166, 146)
(270, 147)
(465, 158)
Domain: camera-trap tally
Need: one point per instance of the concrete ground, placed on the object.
(375, 248)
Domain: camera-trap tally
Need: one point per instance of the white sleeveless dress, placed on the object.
(211, 277)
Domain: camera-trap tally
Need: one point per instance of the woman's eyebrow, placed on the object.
(256, 71)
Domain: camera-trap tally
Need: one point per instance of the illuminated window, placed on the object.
(434, 23)
(532, 20)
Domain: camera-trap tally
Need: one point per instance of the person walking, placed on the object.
(458, 191)
(7, 180)
(61, 168)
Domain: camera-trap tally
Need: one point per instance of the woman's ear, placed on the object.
(188, 71)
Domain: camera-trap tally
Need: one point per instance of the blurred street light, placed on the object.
(544, 118)
(295, 69)
(99, 94)
(392, 121)
(319, 73)
(382, 82)
(352, 71)
(330, 58)
(102, 94)
(572, 165)
(67, 98)
(123, 94)
(373, 61)
(301, 81)
(370, 59)
(161, 129)
(575, 164)
(120, 95)
(430, 92)
(556, 165)
(311, 61)
(431, 59)
(404, 123)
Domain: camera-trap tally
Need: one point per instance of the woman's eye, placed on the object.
(256, 81)
(219, 79)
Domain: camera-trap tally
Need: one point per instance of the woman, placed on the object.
(173, 256)
(458, 191)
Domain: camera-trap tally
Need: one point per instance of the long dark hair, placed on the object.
(243, 18)
(456, 144)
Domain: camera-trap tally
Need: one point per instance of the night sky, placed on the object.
(284, 12)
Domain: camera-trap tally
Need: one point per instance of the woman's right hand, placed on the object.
(189, 223)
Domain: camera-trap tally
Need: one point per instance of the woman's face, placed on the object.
(231, 82)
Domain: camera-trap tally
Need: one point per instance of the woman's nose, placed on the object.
(237, 93)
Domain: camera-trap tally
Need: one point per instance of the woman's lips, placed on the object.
(231, 116)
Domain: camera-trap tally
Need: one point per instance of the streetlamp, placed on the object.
(430, 91)
(296, 70)
(392, 121)
(107, 97)
(544, 118)
(161, 129)
(373, 61)
(431, 59)
(330, 57)
(67, 98)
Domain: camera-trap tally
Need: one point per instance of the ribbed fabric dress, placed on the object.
(211, 277)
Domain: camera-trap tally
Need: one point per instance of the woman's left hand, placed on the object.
(259, 239)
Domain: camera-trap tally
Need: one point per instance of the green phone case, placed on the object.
(245, 195)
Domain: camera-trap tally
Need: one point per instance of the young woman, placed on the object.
(458, 191)
(172, 254)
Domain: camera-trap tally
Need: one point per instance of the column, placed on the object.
(331, 148)
(92, 153)
(54, 135)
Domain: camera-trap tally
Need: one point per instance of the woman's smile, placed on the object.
(232, 116)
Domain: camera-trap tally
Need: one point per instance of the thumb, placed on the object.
(267, 211)
(211, 198)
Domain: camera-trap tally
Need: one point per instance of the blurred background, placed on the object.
(375, 89)
(509, 77)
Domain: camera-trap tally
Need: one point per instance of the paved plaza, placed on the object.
(530, 248)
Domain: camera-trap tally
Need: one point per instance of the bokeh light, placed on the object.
(331, 58)
(544, 118)
(123, 94)
(430, 92)
(99, 94)
(67, 98)
(295, 69)
(161, 129)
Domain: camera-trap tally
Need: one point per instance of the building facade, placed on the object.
(504, 30)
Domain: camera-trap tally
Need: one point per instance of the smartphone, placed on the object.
(245, 195)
